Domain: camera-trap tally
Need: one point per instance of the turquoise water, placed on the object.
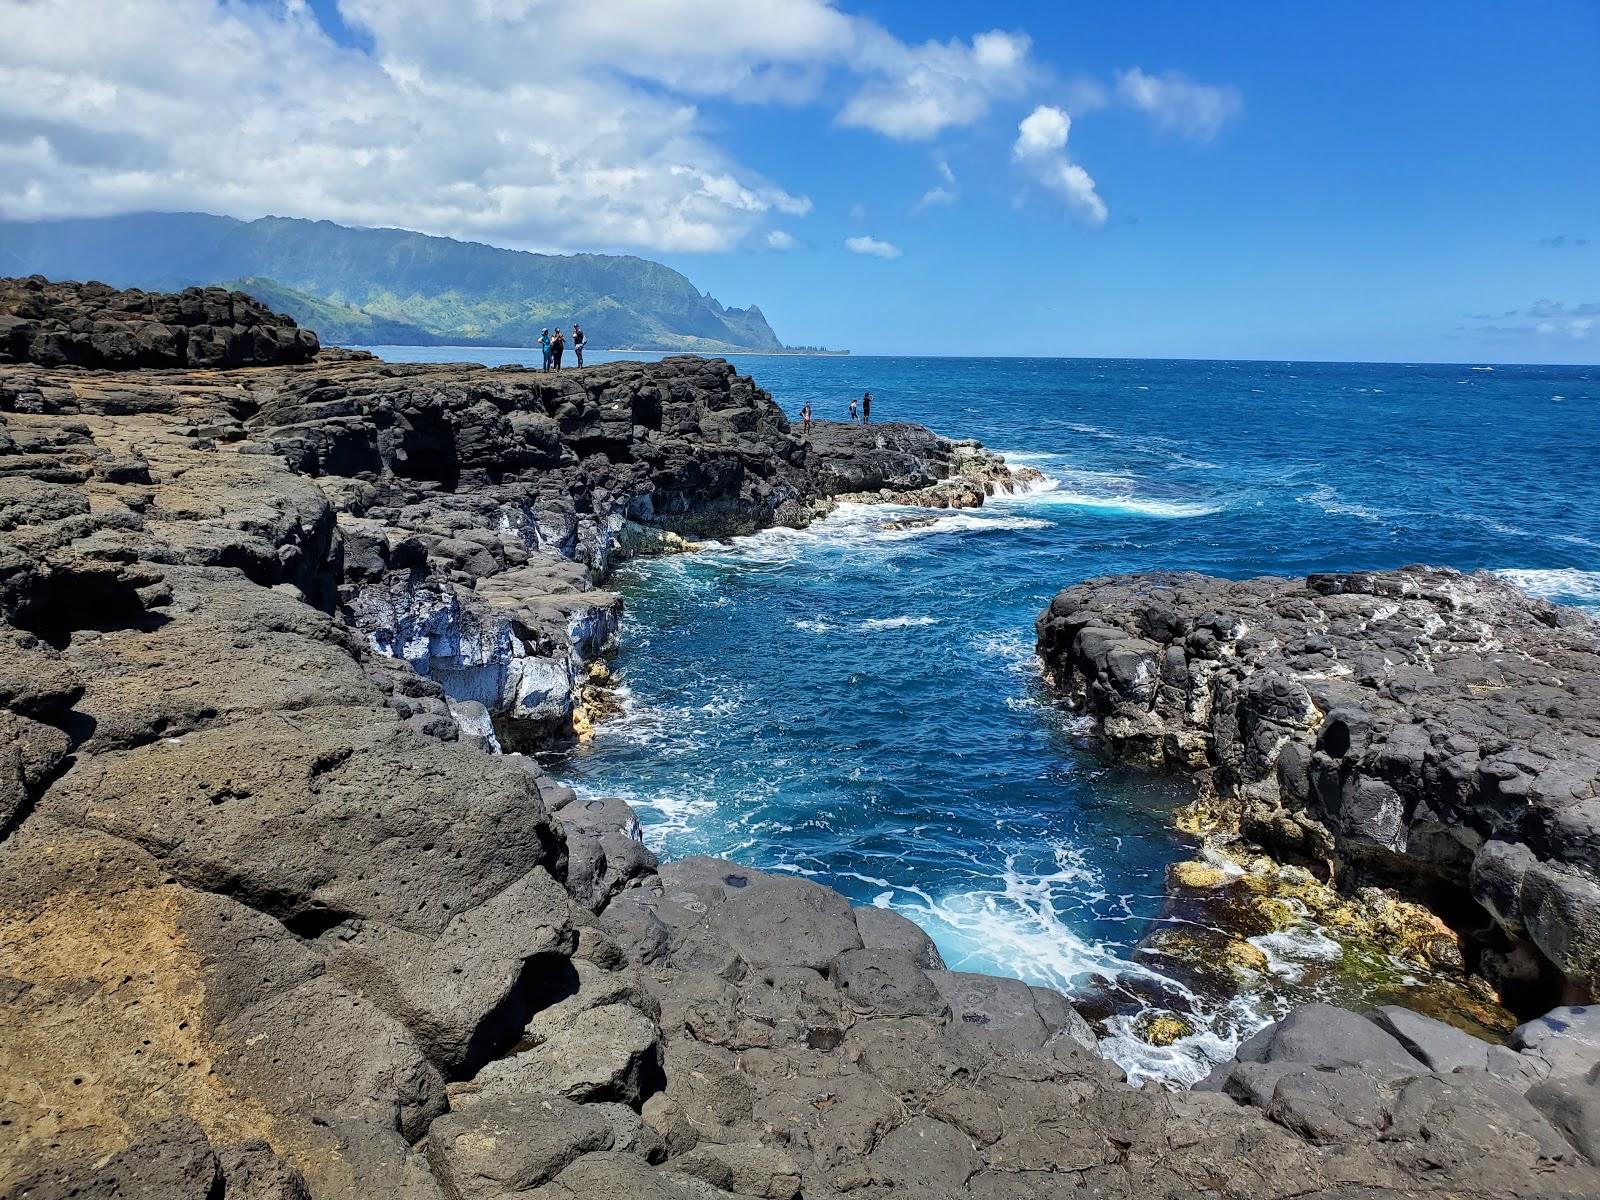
(859, 704)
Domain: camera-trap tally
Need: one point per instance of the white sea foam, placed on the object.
(1330, 502)
(876, 623)
(1012, 648)
(1562, 586)
(1055, 492)
(1117, 492)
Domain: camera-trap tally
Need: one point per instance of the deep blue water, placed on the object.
(859, 704)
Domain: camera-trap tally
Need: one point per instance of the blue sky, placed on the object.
(1389, 173)
(1360, 180)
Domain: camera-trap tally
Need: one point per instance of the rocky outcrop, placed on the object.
(276, 920)
(907, 464)
(93, 325)
(1445, 1101)
(1422, 727)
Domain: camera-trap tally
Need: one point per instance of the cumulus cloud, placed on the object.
(872, 246)
(1174, 102)
(563, 124)
(781, 239)
(1041, 149)
(927, 89)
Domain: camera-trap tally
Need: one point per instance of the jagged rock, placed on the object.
(509, 1144)
(92, 325)
(885, 929)
(1438, 1046)
(608, 1053)
(251, 1171)
(1324, 1036)
(1418, 725)
(605, 850)
(747, 1169)
(1565, 1041)
(1573, 1107)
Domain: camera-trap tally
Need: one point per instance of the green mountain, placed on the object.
(389, 285)
(335, 323)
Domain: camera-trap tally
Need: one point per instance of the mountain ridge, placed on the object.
(354, 283)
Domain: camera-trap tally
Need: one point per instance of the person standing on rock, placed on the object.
(556, 347)
(544, 344)
(805, 420)
(852, 410)
(577, 342)
(866, 408)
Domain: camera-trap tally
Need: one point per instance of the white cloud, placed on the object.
(1041, 149)
(1195, 110)
(945, 192)
(930, 88)
(558, 124)
(872, 246)
(781, 239)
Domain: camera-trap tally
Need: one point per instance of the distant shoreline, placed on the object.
(762, 353)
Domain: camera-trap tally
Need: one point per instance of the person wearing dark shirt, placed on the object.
(556, 347)
(866, 409)
(577, 342)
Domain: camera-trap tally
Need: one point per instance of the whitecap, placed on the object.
(1052, 492)
(875, 623)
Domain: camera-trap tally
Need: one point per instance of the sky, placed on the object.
(1254, 180)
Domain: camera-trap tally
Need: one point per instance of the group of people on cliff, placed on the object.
(555, 345)
(862, 406)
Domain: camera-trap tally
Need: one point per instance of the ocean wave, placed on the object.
(1563, 585)
(875, 623)
(1059, 492)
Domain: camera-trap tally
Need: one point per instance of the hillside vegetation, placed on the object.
(390, 285)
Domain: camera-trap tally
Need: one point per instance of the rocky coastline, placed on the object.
(287, 911)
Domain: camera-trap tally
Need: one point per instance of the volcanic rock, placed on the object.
(1420, 727)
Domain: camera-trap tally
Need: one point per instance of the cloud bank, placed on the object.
(563, 124)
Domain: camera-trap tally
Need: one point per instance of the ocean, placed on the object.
(858, 702)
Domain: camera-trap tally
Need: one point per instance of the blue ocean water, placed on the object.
(858, 702)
